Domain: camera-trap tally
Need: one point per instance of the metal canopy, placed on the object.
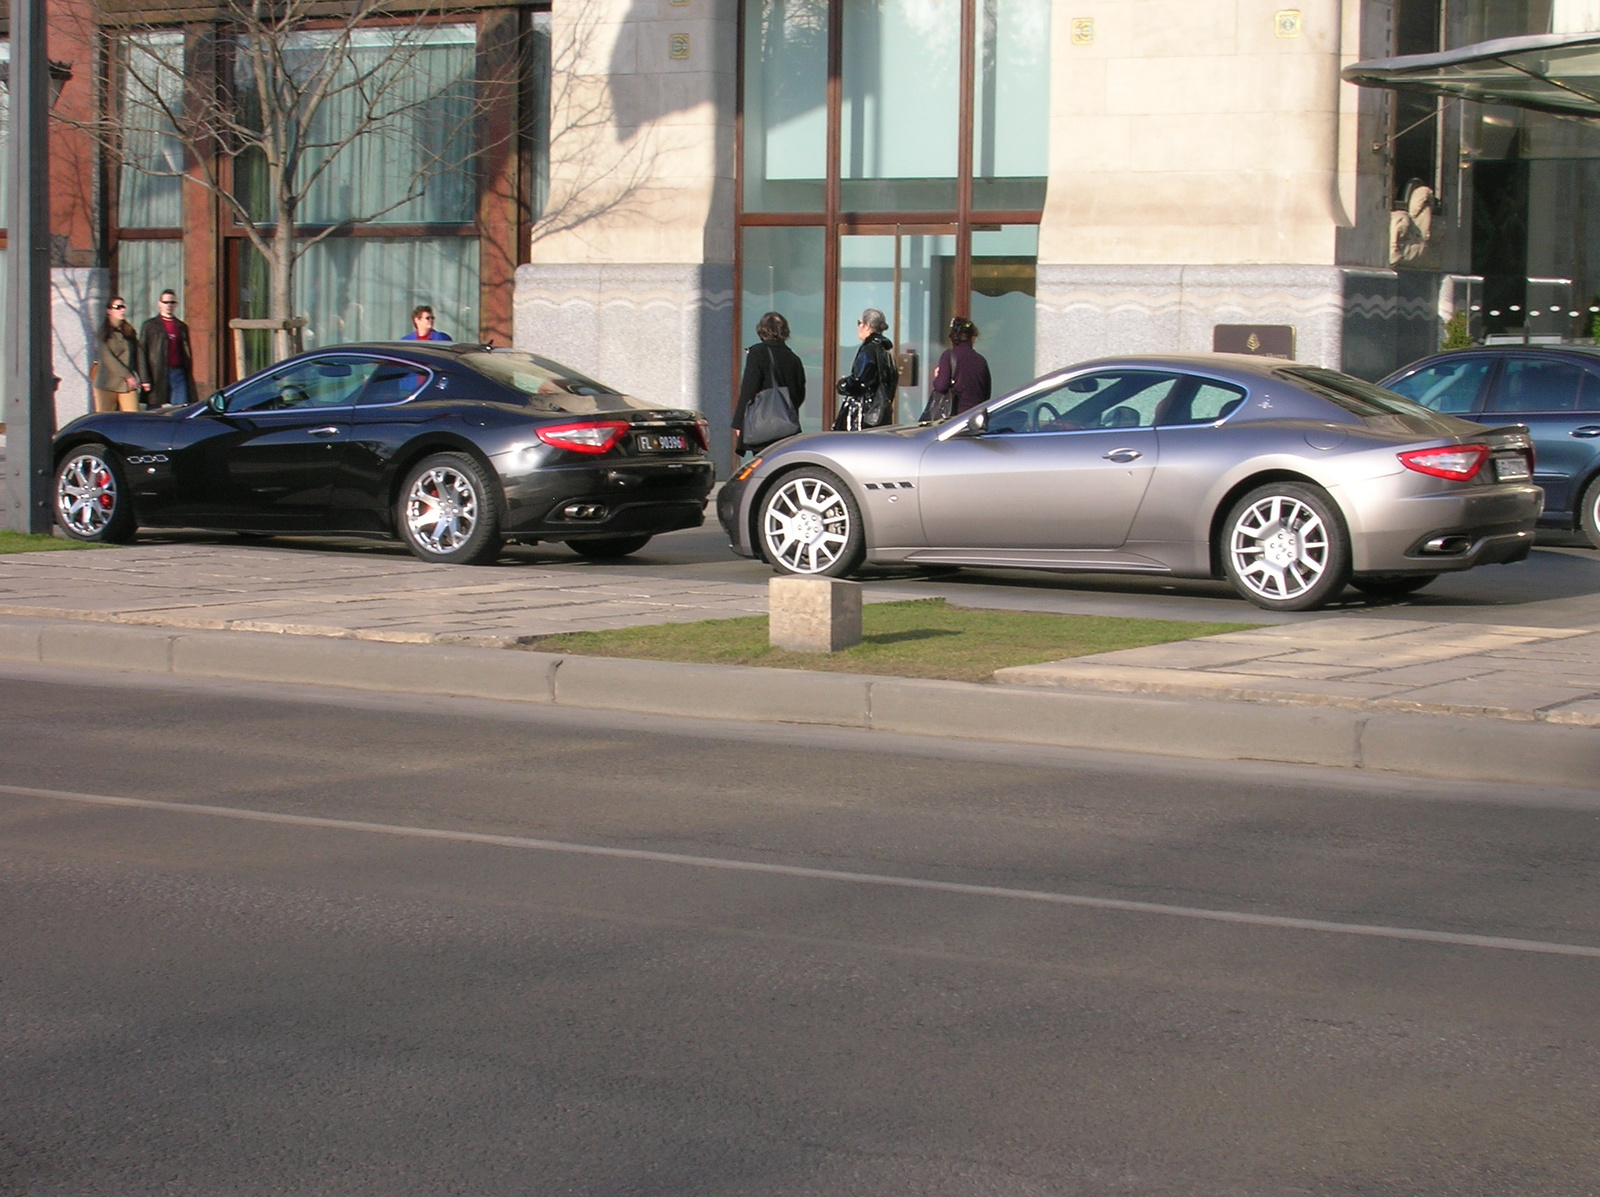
(1547, 72)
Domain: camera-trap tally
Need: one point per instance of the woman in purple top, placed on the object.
(962, 368)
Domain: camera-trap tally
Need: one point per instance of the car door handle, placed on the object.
(330, 430)
(1587, 431)
(1123, 456)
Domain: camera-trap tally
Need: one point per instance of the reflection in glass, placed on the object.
(781, 271)
(785, 105)
(900, 105)
(1005, 268)
(152, 93)
(1011, 104)
(144, 270)
(363, 289)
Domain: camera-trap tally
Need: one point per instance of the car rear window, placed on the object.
(550, 386)
(1352, 394)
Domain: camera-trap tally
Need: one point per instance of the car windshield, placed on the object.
(1360, 398)
(550, 386)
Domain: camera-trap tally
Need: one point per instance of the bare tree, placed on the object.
(304, 119)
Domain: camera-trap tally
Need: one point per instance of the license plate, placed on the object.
(665, 442)
(1510, 469)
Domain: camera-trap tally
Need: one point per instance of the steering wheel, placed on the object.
(1043, 423)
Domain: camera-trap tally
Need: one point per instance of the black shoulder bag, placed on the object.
(771, 415)
(942, 404)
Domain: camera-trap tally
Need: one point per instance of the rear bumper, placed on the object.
(1447, 531)
(614, 499)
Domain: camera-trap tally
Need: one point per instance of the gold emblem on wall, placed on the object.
(1083, 31)
(1287, 22)
(678, 45)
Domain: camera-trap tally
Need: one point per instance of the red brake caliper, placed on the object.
(103, 481)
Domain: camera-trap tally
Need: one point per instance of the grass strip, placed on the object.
(21, 542)
(922, 638)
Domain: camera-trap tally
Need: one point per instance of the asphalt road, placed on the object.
(266, 941)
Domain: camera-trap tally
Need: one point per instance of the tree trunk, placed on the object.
(281, 299)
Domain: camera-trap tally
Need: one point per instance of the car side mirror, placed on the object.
(217, 404)
(977, 424)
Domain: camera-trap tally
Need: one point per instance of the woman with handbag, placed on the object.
(116, 361)
(772, 390)
(962, 373)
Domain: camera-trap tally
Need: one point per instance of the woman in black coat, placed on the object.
(768, 363)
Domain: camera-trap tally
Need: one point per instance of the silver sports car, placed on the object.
(1289, 480)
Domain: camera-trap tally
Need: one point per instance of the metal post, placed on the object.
(30, 381)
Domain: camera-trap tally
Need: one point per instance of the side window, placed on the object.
(1206, 403)
(1112, 399)
(318, 383)
(1450, 386)
(1533, 384)
(392, 383)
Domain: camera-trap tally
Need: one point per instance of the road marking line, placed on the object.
(1085, 901)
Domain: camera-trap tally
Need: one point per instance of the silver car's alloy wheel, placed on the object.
(441, 509)
(1280, 547)
(86, 495)
(806, 525)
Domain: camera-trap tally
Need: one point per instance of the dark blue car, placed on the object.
(1555, 391)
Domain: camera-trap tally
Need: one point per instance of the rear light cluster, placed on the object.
(588, 437)
(1459, 463)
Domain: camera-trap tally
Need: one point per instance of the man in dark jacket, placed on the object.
(167, 362)
(873, 379)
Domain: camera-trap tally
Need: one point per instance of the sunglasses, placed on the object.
(118, 307)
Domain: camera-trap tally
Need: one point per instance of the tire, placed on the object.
(1284, 547)
(809, 524)
(1589, 514)
(1391, 586)
(449, 511)
(609, 548)
(91, 497)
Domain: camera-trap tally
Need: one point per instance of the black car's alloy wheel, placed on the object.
(608, 548)
(810, 525)
(449, 511)
(1284, 547)
(91, 502)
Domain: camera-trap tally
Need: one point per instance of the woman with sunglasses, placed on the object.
(116, 363)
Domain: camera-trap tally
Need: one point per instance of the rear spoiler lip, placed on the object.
(1507, 436)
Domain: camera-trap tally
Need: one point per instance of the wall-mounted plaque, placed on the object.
(1083, 31)
(1261, 340)
(1286, 22)
(678, 45)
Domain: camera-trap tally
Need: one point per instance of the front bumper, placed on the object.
(730, 502)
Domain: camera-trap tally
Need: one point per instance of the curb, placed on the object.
(1438, 746)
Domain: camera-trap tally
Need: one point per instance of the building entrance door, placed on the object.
(908, 272)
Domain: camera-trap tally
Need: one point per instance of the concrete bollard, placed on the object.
(813, 615)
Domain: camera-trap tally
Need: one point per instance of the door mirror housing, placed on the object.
(217, 404)
(977, 423)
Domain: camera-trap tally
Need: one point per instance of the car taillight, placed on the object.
(587, 437)
(1459, 463)
(702, 432)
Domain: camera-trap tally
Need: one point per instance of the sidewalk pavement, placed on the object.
(1478, 702)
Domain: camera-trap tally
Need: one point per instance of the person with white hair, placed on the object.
(869, 389)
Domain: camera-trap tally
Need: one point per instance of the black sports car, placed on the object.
(453, 448)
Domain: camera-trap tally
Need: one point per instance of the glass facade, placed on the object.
(1011, 104)
(785, 165)
(930, 207)
(783, 272)
(900, 105)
